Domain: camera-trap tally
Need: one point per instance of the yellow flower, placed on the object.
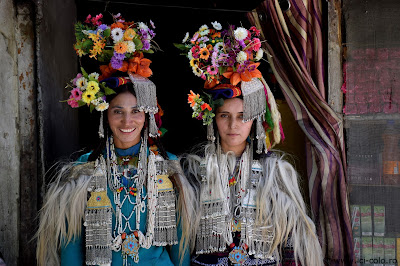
(194, 62)
(93, 87)
(88, 96)
(129, 34)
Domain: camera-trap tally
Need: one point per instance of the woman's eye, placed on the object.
(135, 111)
(224, 115)
(117, 112)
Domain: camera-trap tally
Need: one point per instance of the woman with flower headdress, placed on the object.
(249, 207)
(117, 204)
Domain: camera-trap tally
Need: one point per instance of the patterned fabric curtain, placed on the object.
(294, 44)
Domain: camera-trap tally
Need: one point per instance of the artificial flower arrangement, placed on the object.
(221, 58)
(119, 46)
(87, 90)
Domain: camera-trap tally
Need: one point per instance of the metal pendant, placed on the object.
(130, 246)
(238, 256)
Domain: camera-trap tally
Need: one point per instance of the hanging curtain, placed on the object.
(294, 45)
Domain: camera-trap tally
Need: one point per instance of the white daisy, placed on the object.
(204, 32)
(203, 28)
(202, 45)
(216, 25)
(190, 55)
(218, 46)
(81, 83)
(130, 47)
(197, 71)
(94, 75)
(117, 34)
(102, 106)
(96, 101)
(186, 37)
(240, 33)
(259, 55)
(241, 57)
(141, 25)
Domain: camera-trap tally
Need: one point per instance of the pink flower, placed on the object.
(256, 44)
(72, 102)
(88, 18)
(196, 35)
(255, 30)
(212, 70)
(77, 77)
(76, 93)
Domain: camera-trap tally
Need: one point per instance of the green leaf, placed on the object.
(138, 43)
(180, 46)
(105, 56)
(81, 103)
(107, 33)
(108, 91)
(91, 107)
(163, 131)
(79, 35)
(87, 44)
(84, 73)
(149, 51)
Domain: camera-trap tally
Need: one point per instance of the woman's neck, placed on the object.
(237, 150)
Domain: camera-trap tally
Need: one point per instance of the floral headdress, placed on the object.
(117, 47)
(227, 60)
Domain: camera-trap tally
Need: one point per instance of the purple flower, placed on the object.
(152, 34)
(116, 63)
(152, 24)
(146, 45)
(144, 34)
(204, 39)
(200, 116)
(102, 27)
(231, 61)
(119, 56)
(241, 42)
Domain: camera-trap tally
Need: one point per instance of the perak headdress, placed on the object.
(117, 47)
(227, 61)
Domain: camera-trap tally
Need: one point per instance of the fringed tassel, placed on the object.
(260, 136)
(210, 132)
(212, 229)
(165, 232)
(254, 102)
(275, 114)
(98, 228)
(145, 91)
(101, 127)
(153, 131)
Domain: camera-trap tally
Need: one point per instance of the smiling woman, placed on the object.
(117, 204)
(125, 120)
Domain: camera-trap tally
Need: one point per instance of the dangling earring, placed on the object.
(101, 127)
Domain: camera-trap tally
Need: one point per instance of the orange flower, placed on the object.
(129, 34)
(204, 53)
(232, 75)
(215, 35)
(209, 47)
(118, 25)
(140, 66)
(120, 47)
(206, 106)
(192, 97)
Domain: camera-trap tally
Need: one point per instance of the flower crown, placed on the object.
(227, 60)
(223, 59)
(119, 47)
